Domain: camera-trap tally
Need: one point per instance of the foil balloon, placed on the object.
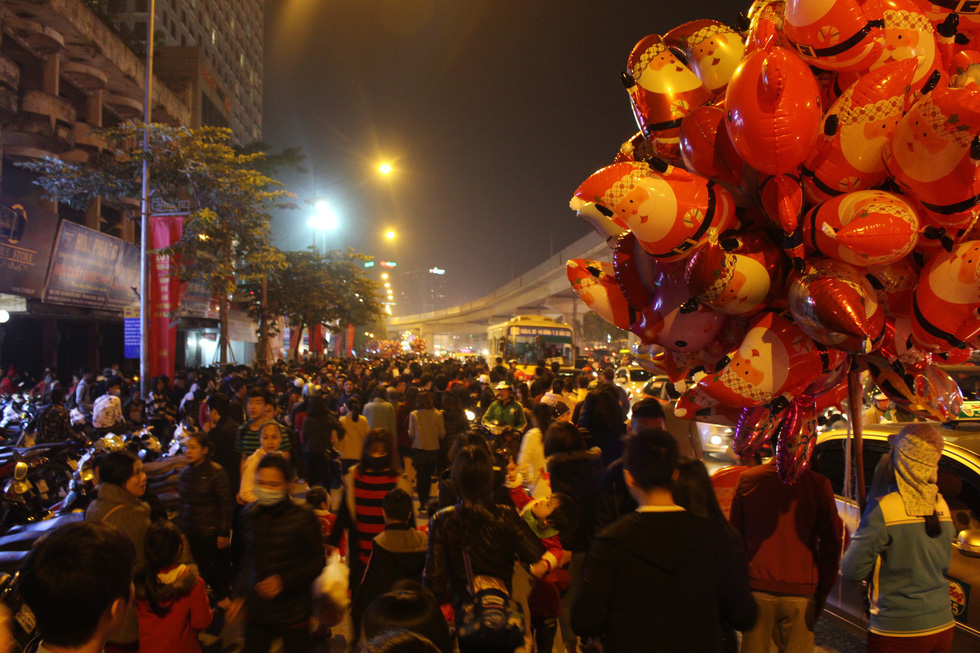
(754, 429)
(894, 286)
(966, 12)
(671, 321)
(930, 393)
(835, 304)
(739, 275)
(908, 35)
(795, 439)
(680, 365)
(670, 212)
(863, 228)
(782, 200)
(637, 148)
(595, 284)
(765, 24)
(854, 132)
(947, 298)
(935, 152)
(713, 50)
(636, 271)
(773, 110)
(706, 148)
(964, 69)
(834, 34)
(662, 91)
(775, 361)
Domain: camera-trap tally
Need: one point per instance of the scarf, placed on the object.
(916, 450)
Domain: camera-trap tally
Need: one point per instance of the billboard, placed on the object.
(25, 247)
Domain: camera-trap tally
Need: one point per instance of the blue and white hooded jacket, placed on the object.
(909, 593)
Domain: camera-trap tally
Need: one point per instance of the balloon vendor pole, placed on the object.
(854, 416)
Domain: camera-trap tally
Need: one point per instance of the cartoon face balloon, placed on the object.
(773, 105)
(933, 154)
(946, 301)
(712, 49)
(854, 133)
(894, 285)
(766, 24)
(739, 276)
(834, 304)
(795, 439)
(636, 271)
(834, 34)
(595, 284)
(662, 89)
(867, 227)
(776, 360)
(670, 212)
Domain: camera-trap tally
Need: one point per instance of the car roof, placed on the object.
(962, 441)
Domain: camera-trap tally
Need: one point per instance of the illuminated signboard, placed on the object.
(436, 271)
(388, 264)
(369, 264)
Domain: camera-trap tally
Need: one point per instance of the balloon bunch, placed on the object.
(802, 199)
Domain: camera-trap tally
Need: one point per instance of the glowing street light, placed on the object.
(384, 275)
(390, 234)
(387, 285)
(384, 168)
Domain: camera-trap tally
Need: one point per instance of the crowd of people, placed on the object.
(550, 515)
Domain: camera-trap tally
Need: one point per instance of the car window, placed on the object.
(621, 375)
(640, 376)
(828, 459)
(961, 488)
(654, 389)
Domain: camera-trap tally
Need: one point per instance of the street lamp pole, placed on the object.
(145, 384)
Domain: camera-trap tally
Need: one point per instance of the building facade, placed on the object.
(229, 37)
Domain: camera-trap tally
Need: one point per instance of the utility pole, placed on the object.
(145, 383)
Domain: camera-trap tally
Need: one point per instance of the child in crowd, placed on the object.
(316, 498)
(547, 517)
(270, 438)
(172, 603)
(398, 553)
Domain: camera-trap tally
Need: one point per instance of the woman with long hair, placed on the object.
(365, 485)
(427, 429)
(491, 536)
(903, 545)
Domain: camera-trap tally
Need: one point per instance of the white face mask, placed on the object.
(266, 497)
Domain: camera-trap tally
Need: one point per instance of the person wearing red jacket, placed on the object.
(172, 601)
(794, 538)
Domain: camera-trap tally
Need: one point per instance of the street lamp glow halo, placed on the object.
(390, 234)
(384, 168)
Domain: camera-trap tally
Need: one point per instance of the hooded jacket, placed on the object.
(669, 578)
(578, 474)
(182, 592)
(398, 553)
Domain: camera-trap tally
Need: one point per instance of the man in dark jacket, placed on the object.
(661, 576)
(283, 556)
(223, 433)
(398, 553)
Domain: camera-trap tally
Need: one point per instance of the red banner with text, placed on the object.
(165, 230)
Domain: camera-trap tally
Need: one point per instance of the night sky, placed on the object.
(492, 113)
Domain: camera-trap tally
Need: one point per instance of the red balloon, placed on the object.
(706, 148)
(739, 278)
(946, 301)
(863, 228)
(796, 437)
(636, 271)
(670, 321)
(662, 90)
(834, 34)
(935, 152)
(930, 393)
(835, 304)
(754, 429)
(894, 285)
(854, 132)
(595, 284)
(765, 24)
(712, 49)
(670, 212)
(773, 104)
(782, 200)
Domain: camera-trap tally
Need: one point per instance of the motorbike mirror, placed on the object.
(968, 543)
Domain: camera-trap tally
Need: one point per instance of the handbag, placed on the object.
(489, 620)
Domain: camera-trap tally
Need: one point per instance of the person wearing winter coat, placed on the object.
(283, 556)
(427, 429)
(206, 507)
(320, 428)
(119, 503)
(171, 600)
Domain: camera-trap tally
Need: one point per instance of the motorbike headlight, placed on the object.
(470, 415)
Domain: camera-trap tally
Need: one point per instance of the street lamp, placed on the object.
(390, 234)
(324, 218)
(384, 168)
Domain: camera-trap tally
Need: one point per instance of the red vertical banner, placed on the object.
(316, 340)
(165, 230)
(350, 339)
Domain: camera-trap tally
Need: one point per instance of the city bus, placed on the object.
(530, 339)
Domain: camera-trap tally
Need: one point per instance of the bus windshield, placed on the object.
(529, 348)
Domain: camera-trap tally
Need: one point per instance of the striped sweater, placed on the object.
(369, 490)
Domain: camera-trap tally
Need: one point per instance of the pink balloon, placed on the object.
(755, 428)
(797, 435)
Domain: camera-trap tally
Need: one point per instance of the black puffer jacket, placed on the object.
(206, 502)
(283, 540)
(578, 474)
(494, 535)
